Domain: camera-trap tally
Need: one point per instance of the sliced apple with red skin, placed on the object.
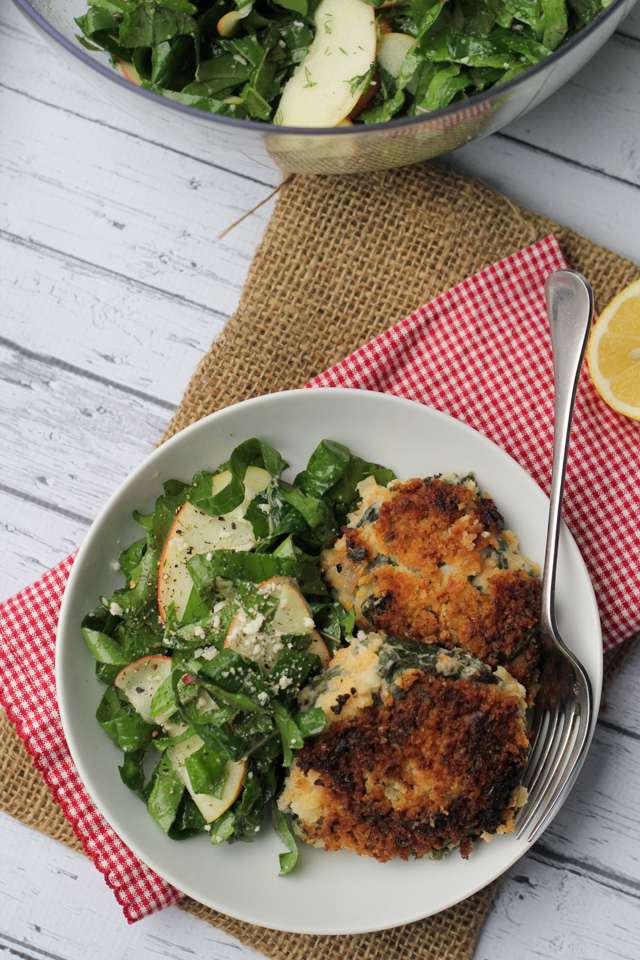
(129, 72)
(140, 680)
(292, 617)
(324, 88)
(195, 532)
(210, 807)
(229, 24)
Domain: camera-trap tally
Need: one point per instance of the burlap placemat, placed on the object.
(343, 259)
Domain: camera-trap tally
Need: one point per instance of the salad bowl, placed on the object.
(242, 880)
(250, 144)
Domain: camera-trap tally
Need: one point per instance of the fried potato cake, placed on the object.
(431, 559)
(424, 751)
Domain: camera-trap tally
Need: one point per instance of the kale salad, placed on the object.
(326, 63)
(222, 619)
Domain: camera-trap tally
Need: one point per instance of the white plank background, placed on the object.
(112, 285)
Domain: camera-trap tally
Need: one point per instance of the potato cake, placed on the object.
(431, 559)
(424, 751)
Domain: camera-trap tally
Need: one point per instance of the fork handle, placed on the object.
(570, 309)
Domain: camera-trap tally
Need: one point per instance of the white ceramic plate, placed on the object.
(328, 893)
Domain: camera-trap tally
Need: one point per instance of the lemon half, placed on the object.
(613, 354)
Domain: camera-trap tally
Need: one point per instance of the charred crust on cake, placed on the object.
(433, 567)
(436, 768)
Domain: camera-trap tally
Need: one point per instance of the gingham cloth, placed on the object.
(480, 352)
(27, 690)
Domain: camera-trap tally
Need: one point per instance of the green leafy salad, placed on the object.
(324, 63)
(222, 620)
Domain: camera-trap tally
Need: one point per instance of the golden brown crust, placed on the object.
(427, 567)
(437, 767)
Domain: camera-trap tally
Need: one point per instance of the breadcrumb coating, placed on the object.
(414, 766)
(431, 559)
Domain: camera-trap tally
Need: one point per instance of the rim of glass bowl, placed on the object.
(358, 130)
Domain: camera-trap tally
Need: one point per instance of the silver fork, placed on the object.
(564, 704)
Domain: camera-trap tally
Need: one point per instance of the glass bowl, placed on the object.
(354, 149)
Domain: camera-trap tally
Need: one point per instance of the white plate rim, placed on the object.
(65, 635)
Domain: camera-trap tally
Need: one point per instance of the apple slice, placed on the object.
(140, 680)
(210, 807)
(255, 481)
(228, 25)
(392, 49)
(325, 87)
(293, 615)
(259, 640)
(128, 71)
(194, 532)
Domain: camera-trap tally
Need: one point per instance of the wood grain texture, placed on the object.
(79, 426)
(99, 211)
(112, 284)
(601, 204)
(591, 121)
(35, 534)
(113, 326)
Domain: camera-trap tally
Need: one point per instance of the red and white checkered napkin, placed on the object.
(27, 690)
(480, 352)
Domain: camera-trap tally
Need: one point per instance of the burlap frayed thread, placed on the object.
(343, 259)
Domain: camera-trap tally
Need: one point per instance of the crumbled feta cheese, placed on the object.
(115, 565)
(198, 632)
(251, 628)
(209, 653)
(209, 557)
(263, 697)
(215, 623)
(308, 622)
(284, 682)
(116, 610)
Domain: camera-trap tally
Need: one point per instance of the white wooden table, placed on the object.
(112, 285)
